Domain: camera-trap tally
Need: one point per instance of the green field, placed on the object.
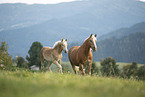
(22, 83)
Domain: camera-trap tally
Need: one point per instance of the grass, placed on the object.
(121, 64)
(69, 67)
(37, 84)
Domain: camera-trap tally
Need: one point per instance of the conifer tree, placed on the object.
(34, 54)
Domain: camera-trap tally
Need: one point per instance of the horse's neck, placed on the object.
(85, 47)
(58, 49)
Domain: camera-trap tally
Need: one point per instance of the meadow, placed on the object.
(25, 83)
(69, 67)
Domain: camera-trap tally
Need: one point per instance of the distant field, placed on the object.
(27, 84)
(121, 64)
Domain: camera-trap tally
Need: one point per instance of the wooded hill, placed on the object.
(126, 49)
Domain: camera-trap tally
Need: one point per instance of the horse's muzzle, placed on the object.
(66, 51)
(94, 49)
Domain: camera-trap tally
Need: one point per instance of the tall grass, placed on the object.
(23, 83)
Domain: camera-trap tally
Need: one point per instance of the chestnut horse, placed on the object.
(82, 55)
(53, 55)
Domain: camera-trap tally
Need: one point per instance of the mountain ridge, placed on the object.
(123, 13)
(119, 33)
(23, 24)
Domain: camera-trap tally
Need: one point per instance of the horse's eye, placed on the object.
(90, 40)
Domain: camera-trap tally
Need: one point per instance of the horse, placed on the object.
(53, 55)
(82, 55)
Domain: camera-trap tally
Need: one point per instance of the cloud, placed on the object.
(142, 0)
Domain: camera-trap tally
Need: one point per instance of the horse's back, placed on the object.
(73, 50)
(45, 50)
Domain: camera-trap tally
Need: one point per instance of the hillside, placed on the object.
(91, 15)
(139, 27)
(23, 24)
(127, 49)
(125, 45)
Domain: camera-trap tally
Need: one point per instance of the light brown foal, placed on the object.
(53, 55)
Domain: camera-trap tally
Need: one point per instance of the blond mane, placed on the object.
(56, 43)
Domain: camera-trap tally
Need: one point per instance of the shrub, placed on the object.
(21, 62)
(141, 73)
(129, 70)
(94, 69)
(109, 67)
(66, 68)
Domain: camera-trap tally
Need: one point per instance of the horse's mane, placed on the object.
(88, 38)
(56, 43)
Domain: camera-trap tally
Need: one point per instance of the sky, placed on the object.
(36, 1)
(40, 1)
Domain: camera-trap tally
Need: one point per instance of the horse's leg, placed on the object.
(89, 69)
(42, 64)
(74, 68)
(59, 61)
(60, 67)
(81, 68)
(48, 66)
(42, 61)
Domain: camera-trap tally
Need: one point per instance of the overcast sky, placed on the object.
(36, 1)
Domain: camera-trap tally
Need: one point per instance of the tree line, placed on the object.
(108, 65)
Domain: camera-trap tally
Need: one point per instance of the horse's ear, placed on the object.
(65, 39)
(95, 35)
(91, 35)
(62, 40)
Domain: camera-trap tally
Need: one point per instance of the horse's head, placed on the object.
(92, 41)
(64, 45)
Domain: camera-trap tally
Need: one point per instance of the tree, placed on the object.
(5, 58)
(109, 67)
(20, 62)
(34, 54)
